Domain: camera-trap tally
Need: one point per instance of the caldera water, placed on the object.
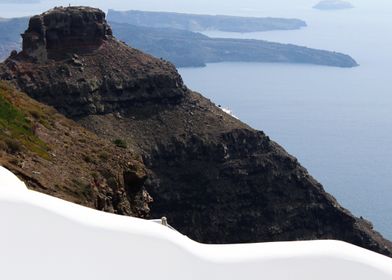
(336, 121)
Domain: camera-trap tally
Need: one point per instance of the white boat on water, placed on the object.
(46, 238)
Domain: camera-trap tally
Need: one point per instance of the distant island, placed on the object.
(190, 49)
(333, 5)
(193, 22)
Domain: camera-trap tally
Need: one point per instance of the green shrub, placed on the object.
(120, 143)
(16, 130)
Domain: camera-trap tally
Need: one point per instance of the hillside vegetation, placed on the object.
(56, 156)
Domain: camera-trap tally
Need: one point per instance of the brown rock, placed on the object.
(60, 31)
(61, 158)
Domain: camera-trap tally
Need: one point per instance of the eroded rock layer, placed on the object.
(59, 31)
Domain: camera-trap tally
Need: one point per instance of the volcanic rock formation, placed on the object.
(216, 179)
(69, 58)
(57, 32)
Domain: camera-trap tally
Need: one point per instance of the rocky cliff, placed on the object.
(55, 155)
(56, 33)
(70, 74)
(215, 178)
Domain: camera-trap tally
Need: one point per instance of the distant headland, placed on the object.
(333, 5)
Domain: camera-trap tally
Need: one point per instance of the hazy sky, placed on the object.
(287, 8)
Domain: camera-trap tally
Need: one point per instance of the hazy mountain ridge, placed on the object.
(10, 30)
(194, 22)
(185, 48)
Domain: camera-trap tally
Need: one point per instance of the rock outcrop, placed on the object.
(215, 178)
(57, 32)
(72, 74)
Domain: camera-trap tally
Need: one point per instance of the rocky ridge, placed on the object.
(215, 178)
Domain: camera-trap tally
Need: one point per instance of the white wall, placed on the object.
(45, 238)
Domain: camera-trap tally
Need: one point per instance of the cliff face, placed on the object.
(56, 32)
(219, 181)
(55, 155)
(70, 58)
(215, 178)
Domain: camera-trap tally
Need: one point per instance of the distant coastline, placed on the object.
(333, 5)
(191, 49)
(198, 23)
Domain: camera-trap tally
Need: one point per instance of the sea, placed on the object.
(336, 121)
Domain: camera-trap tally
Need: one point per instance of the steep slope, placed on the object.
(56, 156)
(215, 178)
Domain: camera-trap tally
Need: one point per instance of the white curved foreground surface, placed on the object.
(45, 238)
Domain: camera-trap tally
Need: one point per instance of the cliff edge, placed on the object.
(216, 179)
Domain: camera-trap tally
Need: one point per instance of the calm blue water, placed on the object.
(337, 122)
